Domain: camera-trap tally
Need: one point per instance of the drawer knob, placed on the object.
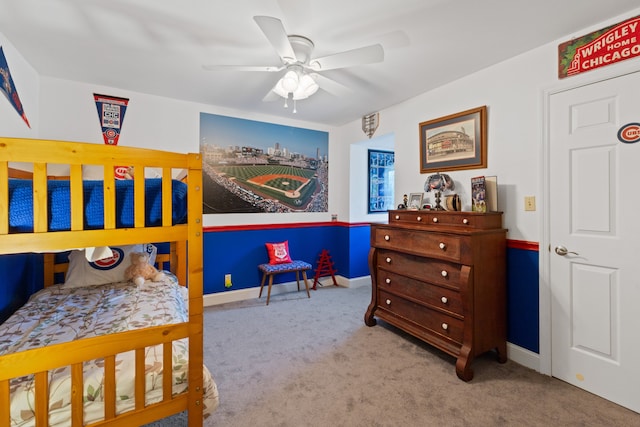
(444, 300)
(388, 302)
(465, 221)
(442, 246)
(444, 273)
(445, 326)
(397, 217)
(435, 219)
(387, 280)
(387, 237)
(388, 260)
(419, 218)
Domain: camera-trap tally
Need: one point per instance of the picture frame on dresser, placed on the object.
(454, 142)
(415, 201)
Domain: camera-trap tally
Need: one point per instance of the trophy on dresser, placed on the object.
(439, 183)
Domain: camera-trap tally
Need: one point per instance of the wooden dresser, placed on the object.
(440, 276)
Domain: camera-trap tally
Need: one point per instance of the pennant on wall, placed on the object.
(111, 114)
(9, 89)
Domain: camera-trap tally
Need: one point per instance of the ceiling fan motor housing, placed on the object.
(302, 47)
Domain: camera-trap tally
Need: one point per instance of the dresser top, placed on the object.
(446, 219)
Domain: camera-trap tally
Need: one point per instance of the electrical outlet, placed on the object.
(530, 203)
(227, 281)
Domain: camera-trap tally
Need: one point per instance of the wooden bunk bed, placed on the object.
(184, 236)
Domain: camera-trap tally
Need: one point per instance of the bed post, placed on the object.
(194, 282)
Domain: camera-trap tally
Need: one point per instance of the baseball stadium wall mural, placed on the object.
(258, 167)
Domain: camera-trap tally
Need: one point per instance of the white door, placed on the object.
(594, 198)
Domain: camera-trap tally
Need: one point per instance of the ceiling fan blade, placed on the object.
(272, 96)
(277, 36)
(266, 68)
(332, 86)
(349, 58)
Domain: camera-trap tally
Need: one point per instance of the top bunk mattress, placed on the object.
(59, 204)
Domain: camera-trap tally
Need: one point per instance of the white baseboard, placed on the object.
(280, 288)
(523, 356)
(356, 282)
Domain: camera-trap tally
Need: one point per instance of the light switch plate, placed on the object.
(530, 203)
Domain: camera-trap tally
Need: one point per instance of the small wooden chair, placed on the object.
(271, 270)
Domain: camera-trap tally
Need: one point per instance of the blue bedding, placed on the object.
(59, 203)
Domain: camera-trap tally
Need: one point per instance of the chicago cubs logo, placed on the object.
(109, 263)
(121, 172)
(629, 133)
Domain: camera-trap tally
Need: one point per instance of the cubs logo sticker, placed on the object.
(629, 133)
(109, 263)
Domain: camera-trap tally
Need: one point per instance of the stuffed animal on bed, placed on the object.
(140, 270)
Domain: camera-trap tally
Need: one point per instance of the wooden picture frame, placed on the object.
(415, 201)
(454, 142)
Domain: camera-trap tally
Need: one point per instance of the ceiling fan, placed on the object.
(301, 77)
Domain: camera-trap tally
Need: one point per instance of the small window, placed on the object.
(381, 176)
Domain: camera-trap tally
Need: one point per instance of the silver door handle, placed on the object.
(562, 251)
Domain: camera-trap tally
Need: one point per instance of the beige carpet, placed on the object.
(313, 362)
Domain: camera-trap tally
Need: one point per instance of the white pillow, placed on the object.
(110, 270)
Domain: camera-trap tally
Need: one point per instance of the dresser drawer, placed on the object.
(413, 289)
(435, 321)
(425, 269)
(428, 244)
(470, 220)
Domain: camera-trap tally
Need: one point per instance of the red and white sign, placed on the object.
(600, 48)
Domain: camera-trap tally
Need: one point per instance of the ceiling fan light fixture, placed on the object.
(306, 88)
(280, 90)
(290, 81)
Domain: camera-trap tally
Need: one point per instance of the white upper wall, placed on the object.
(513, 93)
(68, 112)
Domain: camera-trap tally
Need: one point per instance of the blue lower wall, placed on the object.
(22, 275)
(523, 301)
(239, 250)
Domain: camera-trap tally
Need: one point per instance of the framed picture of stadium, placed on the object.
(381, 174)
(454, 142)
(257, 167)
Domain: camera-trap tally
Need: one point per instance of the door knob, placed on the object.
(562, 251)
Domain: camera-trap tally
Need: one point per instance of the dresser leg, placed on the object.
(502, 352)
(463, 364)
(369, 320)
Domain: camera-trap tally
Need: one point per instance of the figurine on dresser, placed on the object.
(439, 183)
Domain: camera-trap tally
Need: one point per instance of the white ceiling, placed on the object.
(160, 46)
